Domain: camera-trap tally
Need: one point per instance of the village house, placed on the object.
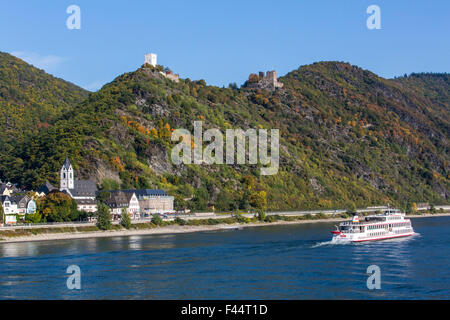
(18, 205)
(119, 200)
(45, 189)
(7, 188)
(10, 209)
(153, 201)
(25, 205)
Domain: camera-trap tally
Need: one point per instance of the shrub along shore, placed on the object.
(158, 226)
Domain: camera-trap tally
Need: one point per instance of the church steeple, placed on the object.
(67, 163)
(66, 176)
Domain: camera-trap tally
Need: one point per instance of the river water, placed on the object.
(273, 262)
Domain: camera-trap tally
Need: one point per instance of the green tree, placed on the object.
(351, 209)
(180, 221)
(125, 220)
(103, 217)
(110, 184)
(432, 208)
(103, 196)
(180, 204)
(200, 200)
(261, 215)
(271, 219)
(233, 86)
(143, 183)
(157, 220)
(33, 218)
(1, 213)
(240, 218)
(409, 207)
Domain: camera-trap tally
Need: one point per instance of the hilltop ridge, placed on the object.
(30, 100)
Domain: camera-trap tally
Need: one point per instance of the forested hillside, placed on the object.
(348, 137)
(30, 101)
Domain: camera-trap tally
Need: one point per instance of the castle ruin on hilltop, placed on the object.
(152, 58)
(264, 81)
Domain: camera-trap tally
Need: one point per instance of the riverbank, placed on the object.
(170, 229)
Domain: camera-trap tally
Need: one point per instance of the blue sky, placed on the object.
(224, 41)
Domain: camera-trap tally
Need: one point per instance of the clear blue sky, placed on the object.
(224, 41)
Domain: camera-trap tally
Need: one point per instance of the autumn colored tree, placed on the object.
(154, 133)
(253, 78)
(58, 207)
(249, 181)
(165, 132)
(258, 200)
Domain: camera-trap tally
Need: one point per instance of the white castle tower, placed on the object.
(66, 176)
(151, 58)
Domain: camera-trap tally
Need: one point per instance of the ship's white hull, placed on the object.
(342, 238)
(389, 225)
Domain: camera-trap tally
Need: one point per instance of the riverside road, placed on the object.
(209, 215)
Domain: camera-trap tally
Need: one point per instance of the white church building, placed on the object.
(83, 192)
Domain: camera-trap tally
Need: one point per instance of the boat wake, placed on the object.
(329, 243)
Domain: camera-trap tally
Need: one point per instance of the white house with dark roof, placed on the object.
(153, 200)
(83, 192)
(119, 199)
(10, 209)
(17, 205)
(25, 205)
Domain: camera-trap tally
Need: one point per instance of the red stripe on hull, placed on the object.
(374, 239)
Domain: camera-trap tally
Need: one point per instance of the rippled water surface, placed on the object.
(273, 262)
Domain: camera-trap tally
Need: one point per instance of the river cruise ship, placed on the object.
(387, 225)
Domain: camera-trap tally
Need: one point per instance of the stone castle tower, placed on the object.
(66, 176)
(266, 80)
(151, 59)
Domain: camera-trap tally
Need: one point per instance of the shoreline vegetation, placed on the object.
(170, 227)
